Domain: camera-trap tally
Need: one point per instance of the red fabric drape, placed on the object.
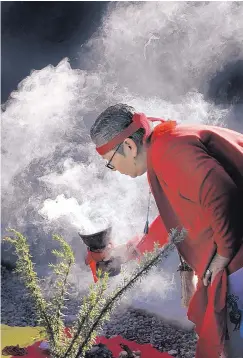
(147, 350)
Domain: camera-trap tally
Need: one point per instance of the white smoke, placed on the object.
(157, 56)
(103, 201)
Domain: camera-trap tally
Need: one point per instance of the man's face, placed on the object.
(126, 164)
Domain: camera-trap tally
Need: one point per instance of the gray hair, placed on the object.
(111, 122)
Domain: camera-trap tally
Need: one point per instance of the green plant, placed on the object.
(96, 306)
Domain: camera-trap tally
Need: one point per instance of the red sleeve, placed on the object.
(187, 168)
(156, 233)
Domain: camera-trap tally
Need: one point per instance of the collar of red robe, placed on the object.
(139, 120)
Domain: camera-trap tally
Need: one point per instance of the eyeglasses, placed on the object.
(109, 165)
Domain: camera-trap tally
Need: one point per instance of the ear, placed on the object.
(130, 147)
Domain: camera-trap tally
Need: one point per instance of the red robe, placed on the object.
(200, 169)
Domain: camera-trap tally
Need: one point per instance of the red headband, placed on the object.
(139, 120)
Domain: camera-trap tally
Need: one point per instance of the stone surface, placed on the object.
(99, 351)
(173, 352)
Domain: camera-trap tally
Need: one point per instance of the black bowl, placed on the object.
(98, 240)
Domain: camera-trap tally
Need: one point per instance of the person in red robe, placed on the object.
(195, 173)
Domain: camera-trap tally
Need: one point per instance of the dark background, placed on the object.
(35, 34)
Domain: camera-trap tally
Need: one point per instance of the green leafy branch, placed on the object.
(96, 306)
(25, 268)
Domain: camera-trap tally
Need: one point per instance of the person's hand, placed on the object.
(126, 252)
(217, 264)
(100, 255)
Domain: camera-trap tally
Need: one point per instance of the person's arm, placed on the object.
(137, 245)
(201, 178)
